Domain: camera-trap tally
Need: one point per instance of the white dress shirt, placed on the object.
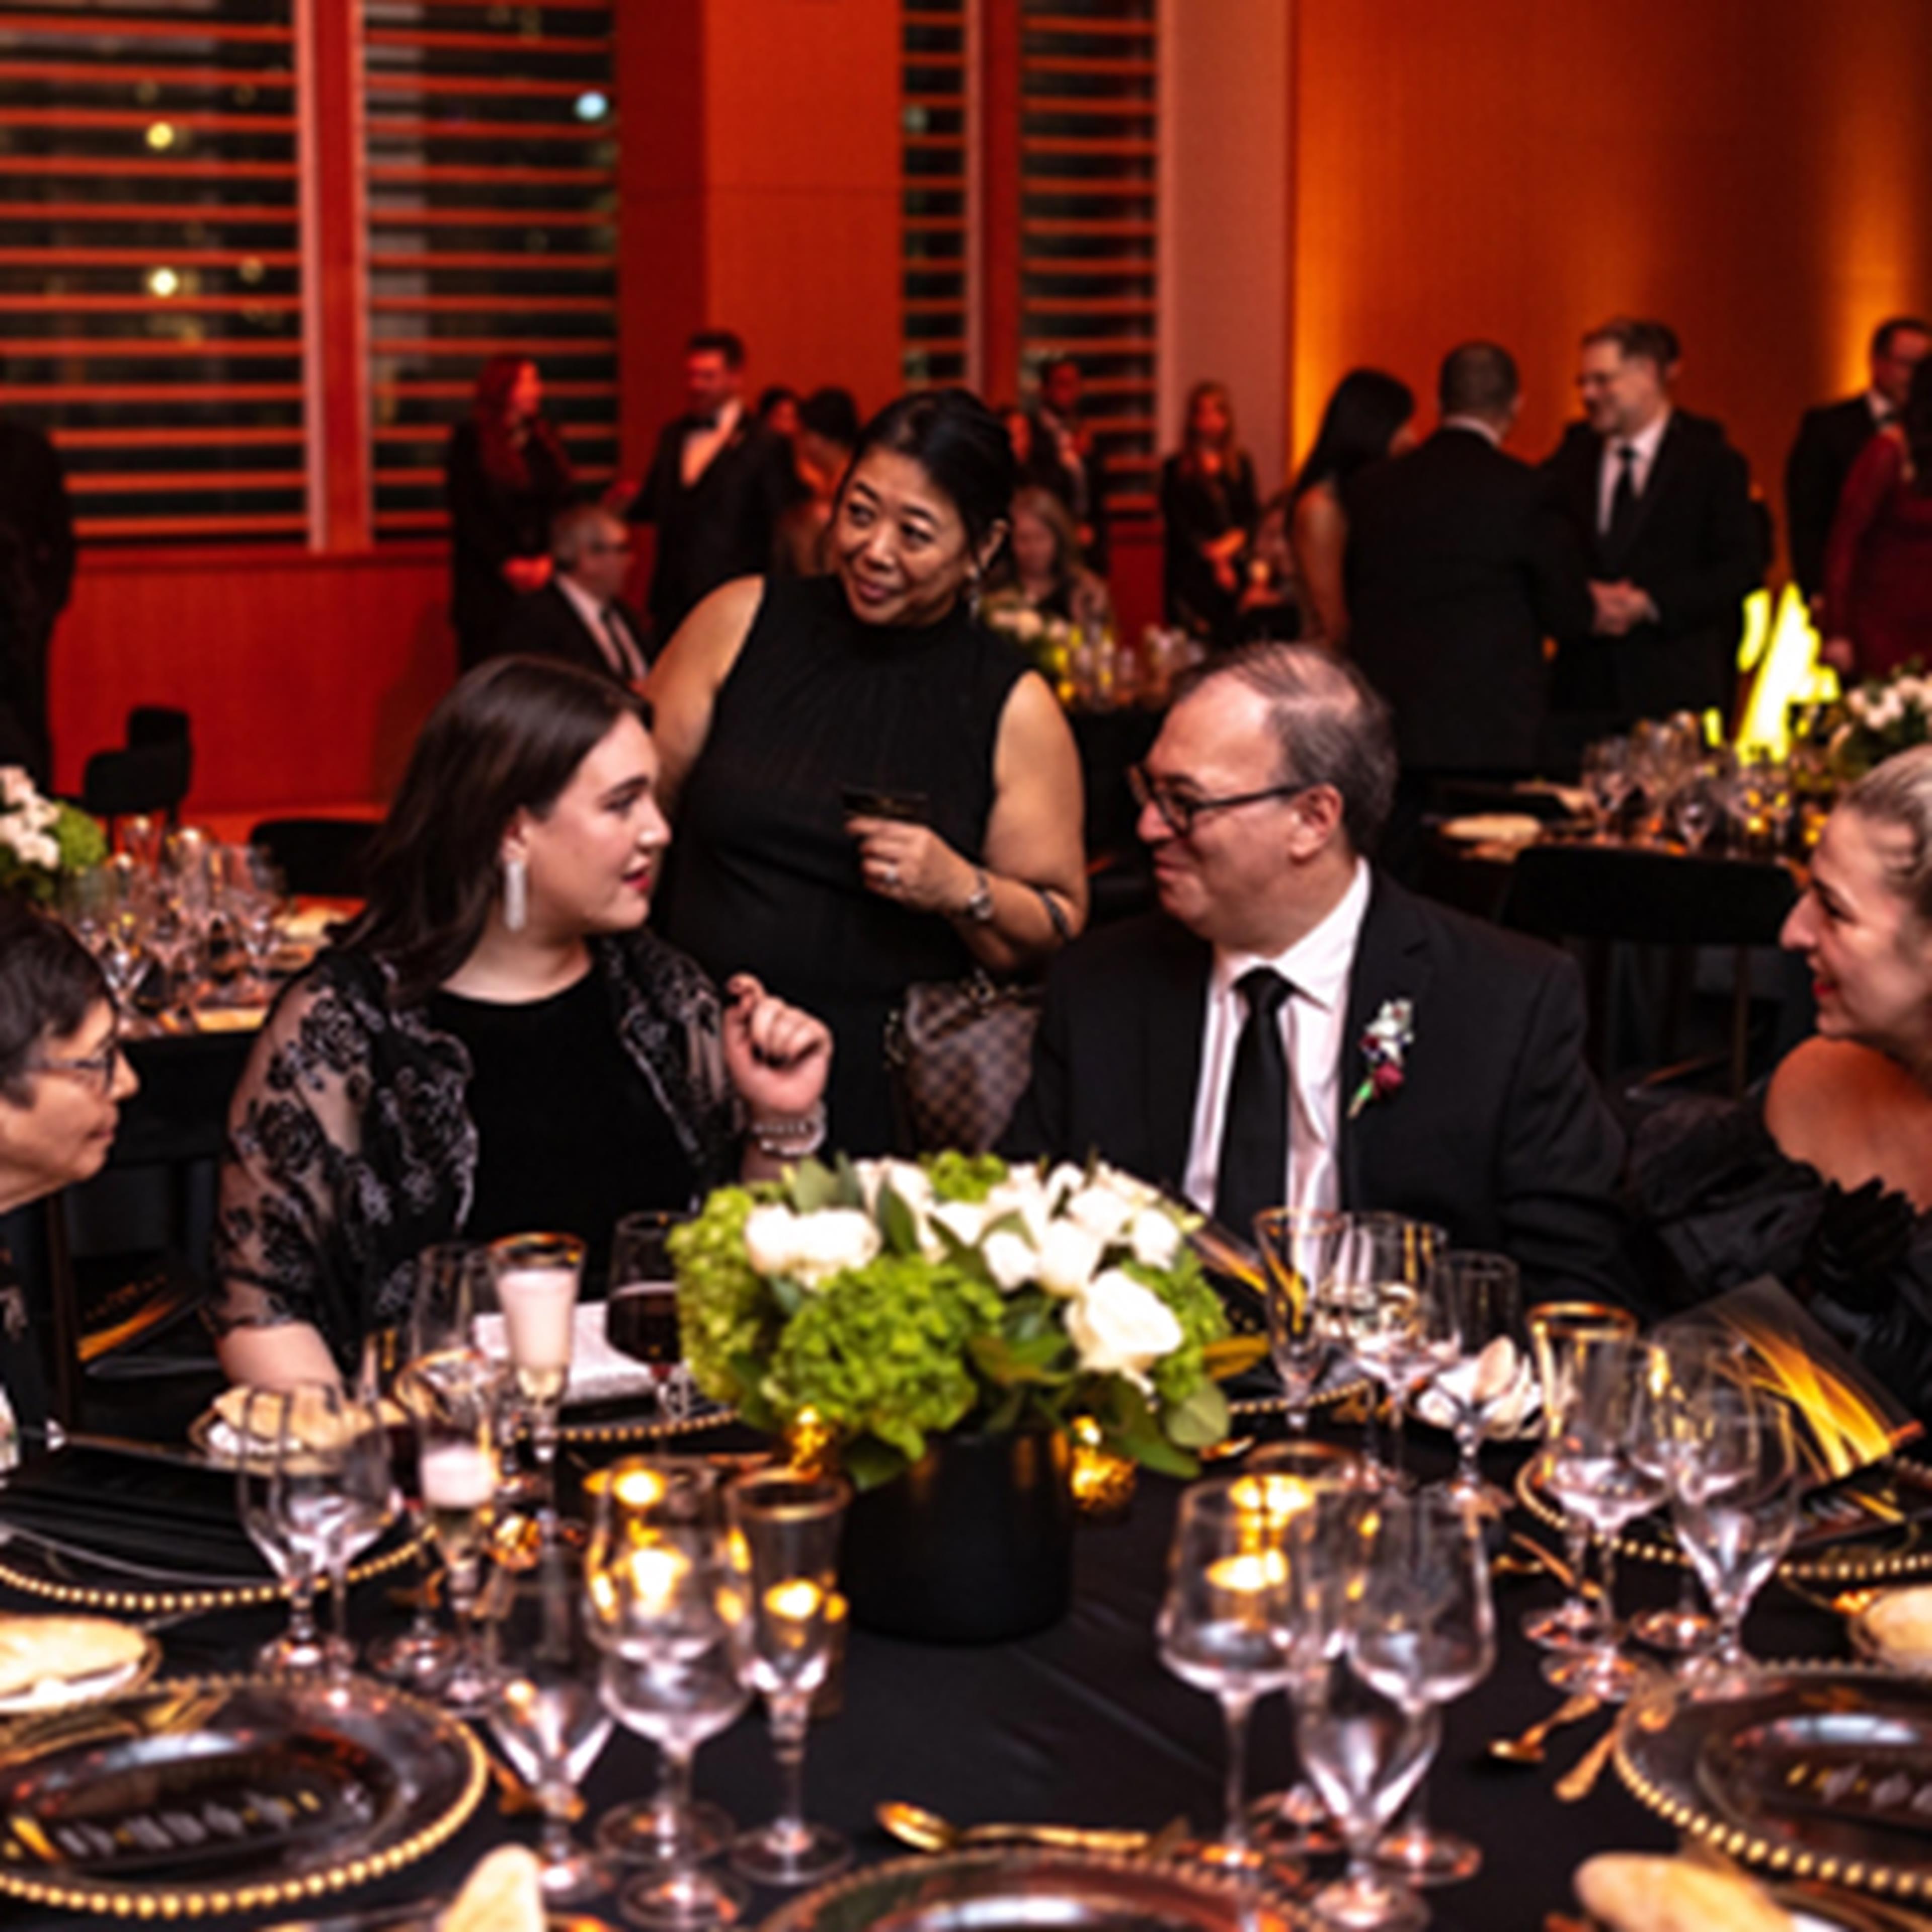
(613, 638)
(1313, 1018)
(1610, 467)
(701, 445)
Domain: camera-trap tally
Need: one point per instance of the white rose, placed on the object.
(1119, 1327)
(36, 848)
(1100, 1211)
(16, 787)
(1154, 1238)
(1068, 1256)
(1010, 1258)
(965, 1221)
(831, 1241)
(1128, 1186)
(771, 1239)
(1066, 1180)
(1886, 712)
(1021, 1194)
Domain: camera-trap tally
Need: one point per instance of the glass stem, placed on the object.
(338, 1617)
(1606, 1581)
(301, 1606)
(1468, 1446)
(423, 1626)
(1576, 1554)
(673, 1804)
(559, 1801)
(543, 1441)
(790, 1717)
(1236, 1708)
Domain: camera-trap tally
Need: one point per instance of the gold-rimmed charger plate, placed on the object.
(1816, 1772)
(217, 1795)
(1888, 1553)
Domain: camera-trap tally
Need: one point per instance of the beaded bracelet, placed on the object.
(790, 1136)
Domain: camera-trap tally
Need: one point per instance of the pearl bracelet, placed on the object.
(790, 1136)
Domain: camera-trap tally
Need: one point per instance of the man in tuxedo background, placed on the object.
(1661, 505)
(1062, 457)
(716, 488)
(1829, 439)
(1457, 569)
(1222, 1045)
(579, 616)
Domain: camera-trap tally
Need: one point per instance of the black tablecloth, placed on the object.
(1081, 1724)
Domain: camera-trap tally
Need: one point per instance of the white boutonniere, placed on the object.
(1386, 1039)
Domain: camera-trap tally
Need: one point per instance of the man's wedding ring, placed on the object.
(892, 877)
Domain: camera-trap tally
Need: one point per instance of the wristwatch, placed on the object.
(978, 910)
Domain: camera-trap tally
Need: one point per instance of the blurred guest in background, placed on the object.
(1019, 432)
(1043, 565)
(1063, 457)
(1368, 417)
(1271, 606)
(496, 1043)
(1207, 506)
(62, 1080)
(1829, 439)
(1661, 504)
(1825, 1179)
(871, 788)
(1878, 565)
(507, 476)
(777, 412)
(717, 486)
(580, 615)
(36, 575)
(828, 428)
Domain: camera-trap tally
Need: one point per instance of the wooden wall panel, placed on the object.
(1753, 171)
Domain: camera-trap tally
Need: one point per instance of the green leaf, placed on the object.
(851, 1190)
(1202, 1418)
(1157, 1453)
(897, 1224)
(1233, 1355)
(1007, 1366)
(1003, 1417)
(868, 1462)
(789, 1296)
(814, 1186)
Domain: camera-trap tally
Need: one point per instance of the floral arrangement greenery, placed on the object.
(40, 839)
(1877, 718)
(897, 1301)
(1048, 641)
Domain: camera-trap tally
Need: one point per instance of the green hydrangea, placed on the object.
(881, 1351)
(726, 1314)
(82, 844)
(964, 1176)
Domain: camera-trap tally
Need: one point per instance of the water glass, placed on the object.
(1381, 1303)
(1481, 1297)
(1299, 1249)
(784, 1547)
(344, 1478)
(536, 1278)
(265, 1427)
(458, 1392)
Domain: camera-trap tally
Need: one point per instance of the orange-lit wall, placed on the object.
(1756, 172)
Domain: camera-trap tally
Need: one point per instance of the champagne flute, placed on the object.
(265, 1427)
(1299, 1248)
(1557, 1329)
(640, 1316)
(458, 1393)
(547, 1708)
(536, 1278)
(785, 1547)
(1481, 1299)
(1223, 1625)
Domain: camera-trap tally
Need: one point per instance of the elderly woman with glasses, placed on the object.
(62, 1080)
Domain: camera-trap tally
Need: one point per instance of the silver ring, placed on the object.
(892, 875)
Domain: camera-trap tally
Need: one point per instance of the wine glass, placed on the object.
(265, 1427)
(536, 1278)
(1378, 1302)
(1481, 1299)
(1557, 1329)
(1608, 777)
(666, 1613)
(640, 1316)
(1365, 1751)
(1595, 1475)
(1223, 1624)
(458, 1392)
(546, 1706)
(1425, 1636)
(785, 1547)
(1298, 1247)
(1736, 1516)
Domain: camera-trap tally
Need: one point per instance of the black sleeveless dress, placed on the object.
(763, 876)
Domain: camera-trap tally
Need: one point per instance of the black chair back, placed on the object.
(151, 779)
(319, 857)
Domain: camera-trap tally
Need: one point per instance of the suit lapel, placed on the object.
(1392, 962)
(1172, 1021)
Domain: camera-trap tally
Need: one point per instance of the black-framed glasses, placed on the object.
(96, 1067)
(1180, 810)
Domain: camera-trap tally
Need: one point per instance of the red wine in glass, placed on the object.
(640, 1318)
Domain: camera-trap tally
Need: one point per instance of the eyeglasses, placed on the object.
(97, 1068)
(1180, 810)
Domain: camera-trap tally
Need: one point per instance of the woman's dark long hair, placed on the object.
(1230, 451)
(506, 454)
(1915, 421)
(959, 443)
(507, 739)
(1361, 421)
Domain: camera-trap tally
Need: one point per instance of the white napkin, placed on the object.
(598, 1371)
(1502, 1379)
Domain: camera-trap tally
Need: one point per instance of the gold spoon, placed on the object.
(1527, 1749)
(1580, 1780)
(926, 1831)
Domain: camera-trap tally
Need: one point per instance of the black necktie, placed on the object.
(630, 663)
(1623, 498)
(1253, 1172)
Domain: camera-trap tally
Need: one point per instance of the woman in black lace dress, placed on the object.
(1826, 1179)
(496, 1044)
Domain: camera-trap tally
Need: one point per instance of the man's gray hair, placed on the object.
(572, 529)
(1333, 727)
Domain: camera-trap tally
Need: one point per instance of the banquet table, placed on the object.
(1081, 1724)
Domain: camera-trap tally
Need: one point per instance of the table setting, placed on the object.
(654, 1661)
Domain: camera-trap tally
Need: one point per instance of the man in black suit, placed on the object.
(1292, 1025)
(36, 575)
(1457, 569)
(715, 489)
(1063, 457)
(578, 615)
(1830, 438)
(1661, 504)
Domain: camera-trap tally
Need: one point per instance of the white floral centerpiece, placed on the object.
(1878, 719)
(40, 839)
(896, 1300)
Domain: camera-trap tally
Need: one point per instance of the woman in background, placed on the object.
(1207, 506)
(1369, 416)
(507, 476)
(1269, 611)
(1042, 570)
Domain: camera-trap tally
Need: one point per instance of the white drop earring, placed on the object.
(516, 894)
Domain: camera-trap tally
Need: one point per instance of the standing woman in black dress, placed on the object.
(507, 476)
(1208, 506)
(787, 710)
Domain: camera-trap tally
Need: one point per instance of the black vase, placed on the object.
(973, 1544)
